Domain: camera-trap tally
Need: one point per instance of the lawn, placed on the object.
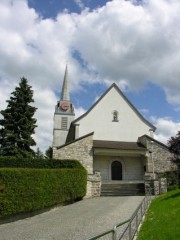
(162, 221)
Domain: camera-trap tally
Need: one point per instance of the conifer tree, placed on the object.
(49, 152)
(18, 124)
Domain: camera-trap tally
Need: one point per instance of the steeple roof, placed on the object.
(65, 88)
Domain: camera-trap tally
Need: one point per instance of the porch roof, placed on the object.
(118, 148)
(118, 145)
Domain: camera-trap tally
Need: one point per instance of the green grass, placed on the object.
(162, 221)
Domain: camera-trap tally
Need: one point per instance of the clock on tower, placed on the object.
(64, 106)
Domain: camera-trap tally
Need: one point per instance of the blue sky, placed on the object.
(50, 8)
(133, 43)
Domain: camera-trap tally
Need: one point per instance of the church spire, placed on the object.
(65, 88)
(63, 115)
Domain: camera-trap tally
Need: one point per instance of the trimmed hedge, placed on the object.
(12, 162)
(25, 190)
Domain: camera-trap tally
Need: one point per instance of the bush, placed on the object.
(12, 162)
(172, 179)
(25, 190)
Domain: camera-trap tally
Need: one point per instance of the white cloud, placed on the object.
(80, 4)
(166, 128)
(132, 43)
(119, 42)
(45, 99)
(79, 111)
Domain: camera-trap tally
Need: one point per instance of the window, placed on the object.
(115, 116)
(64, 121)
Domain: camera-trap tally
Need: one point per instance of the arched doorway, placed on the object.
(116, 170)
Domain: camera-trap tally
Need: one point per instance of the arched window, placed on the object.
(115, 116)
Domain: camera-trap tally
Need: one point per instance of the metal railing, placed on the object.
(126, 230)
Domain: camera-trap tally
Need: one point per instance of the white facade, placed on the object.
(127, 126)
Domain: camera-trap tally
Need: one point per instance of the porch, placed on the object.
(124, 161)
(122, 167)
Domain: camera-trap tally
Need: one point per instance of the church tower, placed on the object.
(64, 114)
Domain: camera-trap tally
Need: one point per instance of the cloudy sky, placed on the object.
(134, 43)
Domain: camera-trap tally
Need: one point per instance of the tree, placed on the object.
(174, 147)
(18, 123)
(49, 152)
(39, 153)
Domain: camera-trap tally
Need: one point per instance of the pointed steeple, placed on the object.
(65, 88)
(63, 115)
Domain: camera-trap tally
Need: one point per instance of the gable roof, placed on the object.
(127, 101)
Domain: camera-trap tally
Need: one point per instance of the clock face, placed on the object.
(64, 106)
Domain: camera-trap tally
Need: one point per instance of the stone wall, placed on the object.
(155, 186)
(161, 158)
(158, 155)
(80, 149)
(93, 185)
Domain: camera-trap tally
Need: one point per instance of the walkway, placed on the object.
(77, 221)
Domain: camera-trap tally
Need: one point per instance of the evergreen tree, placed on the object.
(18, 123)
(49, 152)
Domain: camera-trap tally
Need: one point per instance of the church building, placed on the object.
(112, 140)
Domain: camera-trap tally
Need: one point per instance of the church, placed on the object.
(113, 141)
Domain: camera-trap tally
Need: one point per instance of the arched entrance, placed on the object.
(116, 170)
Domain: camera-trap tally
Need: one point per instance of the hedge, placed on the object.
(26, 190)
(12, 162)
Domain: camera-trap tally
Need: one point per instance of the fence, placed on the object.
(126, 230)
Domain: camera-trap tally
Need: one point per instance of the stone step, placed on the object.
(123, 186)
(122, 189)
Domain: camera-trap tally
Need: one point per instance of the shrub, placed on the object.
(172, 179)
(12, 162)
(25, 190)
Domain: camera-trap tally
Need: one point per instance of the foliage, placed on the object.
(172, 179)
(49, 152)
(162, 218)
(18, 123)
(12, 162)
(27, 190)
(174, 146)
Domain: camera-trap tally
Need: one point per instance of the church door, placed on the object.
(116, 170)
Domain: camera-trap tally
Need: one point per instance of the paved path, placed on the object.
(78, 221)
